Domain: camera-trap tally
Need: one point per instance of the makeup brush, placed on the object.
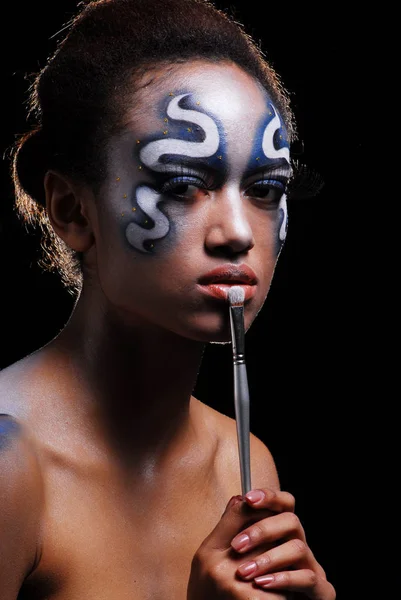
(236, 297)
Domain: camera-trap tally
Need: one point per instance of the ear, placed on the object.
(67, 211)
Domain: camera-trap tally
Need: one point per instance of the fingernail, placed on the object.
(247, 569)
(234, 500)
(255, 496)
(231, 502)
(265, 580)
(241, 542)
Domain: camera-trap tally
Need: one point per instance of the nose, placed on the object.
(229, 231)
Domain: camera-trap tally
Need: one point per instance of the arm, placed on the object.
(21, 501)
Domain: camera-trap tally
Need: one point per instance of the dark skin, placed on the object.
(116, 479)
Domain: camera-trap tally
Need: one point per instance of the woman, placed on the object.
(158, 170)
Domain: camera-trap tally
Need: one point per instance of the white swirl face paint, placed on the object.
(136, 235)
(150, 155)
(282, 207)
(268, 139)
(271, 152)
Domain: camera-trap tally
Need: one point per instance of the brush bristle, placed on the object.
(236, 295)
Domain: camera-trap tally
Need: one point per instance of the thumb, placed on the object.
(231, 523)
(234, 500)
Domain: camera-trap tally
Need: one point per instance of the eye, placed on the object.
(268, 191)
(183, 187)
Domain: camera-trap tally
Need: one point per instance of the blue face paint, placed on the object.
(271, 146)
(191, 135)
(192, 138)
(190, 152)
(271, 155)
(9, 429)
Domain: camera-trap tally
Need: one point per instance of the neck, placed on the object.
(135, 381)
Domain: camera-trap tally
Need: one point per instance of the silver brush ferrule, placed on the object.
(237, 333)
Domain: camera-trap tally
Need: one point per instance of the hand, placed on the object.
(283, 562)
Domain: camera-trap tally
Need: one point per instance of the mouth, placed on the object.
(217, 283)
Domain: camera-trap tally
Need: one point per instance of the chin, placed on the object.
(213, 329)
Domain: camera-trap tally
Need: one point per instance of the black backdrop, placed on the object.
(300, 347)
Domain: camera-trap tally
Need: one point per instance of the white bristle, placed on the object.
(236, 295)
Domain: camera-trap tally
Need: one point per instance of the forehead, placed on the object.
(224, 90)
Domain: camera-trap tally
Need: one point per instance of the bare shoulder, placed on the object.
(16, 382)
(21, 483)
(18, 458)
(263, 468)
(18, 452)
(21, 501)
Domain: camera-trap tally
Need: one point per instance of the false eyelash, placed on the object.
(304, 183)
(208, 178)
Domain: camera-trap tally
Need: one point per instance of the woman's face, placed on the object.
(196, 182)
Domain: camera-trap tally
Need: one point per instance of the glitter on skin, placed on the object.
(150, 155)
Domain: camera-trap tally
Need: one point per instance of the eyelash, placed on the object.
(305, 182)
(203, 180)
(206, 182)
(172, 184)
(268, 185)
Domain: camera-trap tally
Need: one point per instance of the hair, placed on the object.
(77, 100)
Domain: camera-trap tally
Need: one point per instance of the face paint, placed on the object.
(8, 430)
(271, 156)
(152, 154)
(156, 155)
(282, 223)
(196, 179)
(273, 127)
(139, 236)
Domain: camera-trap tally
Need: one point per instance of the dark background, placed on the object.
(301, 347)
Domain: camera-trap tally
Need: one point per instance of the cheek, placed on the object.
(115, 258)
(148, 224)
(269, 231)
(272, 233)
(131, 256)
(175, 230)
(153, 225)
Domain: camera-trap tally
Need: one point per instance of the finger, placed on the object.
(232, 501)
(235, 518)
(303, 581)
(276, 527)
(292, 554)
(276, 501)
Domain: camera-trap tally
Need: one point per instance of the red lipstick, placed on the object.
(217, 282)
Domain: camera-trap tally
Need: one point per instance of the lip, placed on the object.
(217, 282)
(231, 275)
(220, 290)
